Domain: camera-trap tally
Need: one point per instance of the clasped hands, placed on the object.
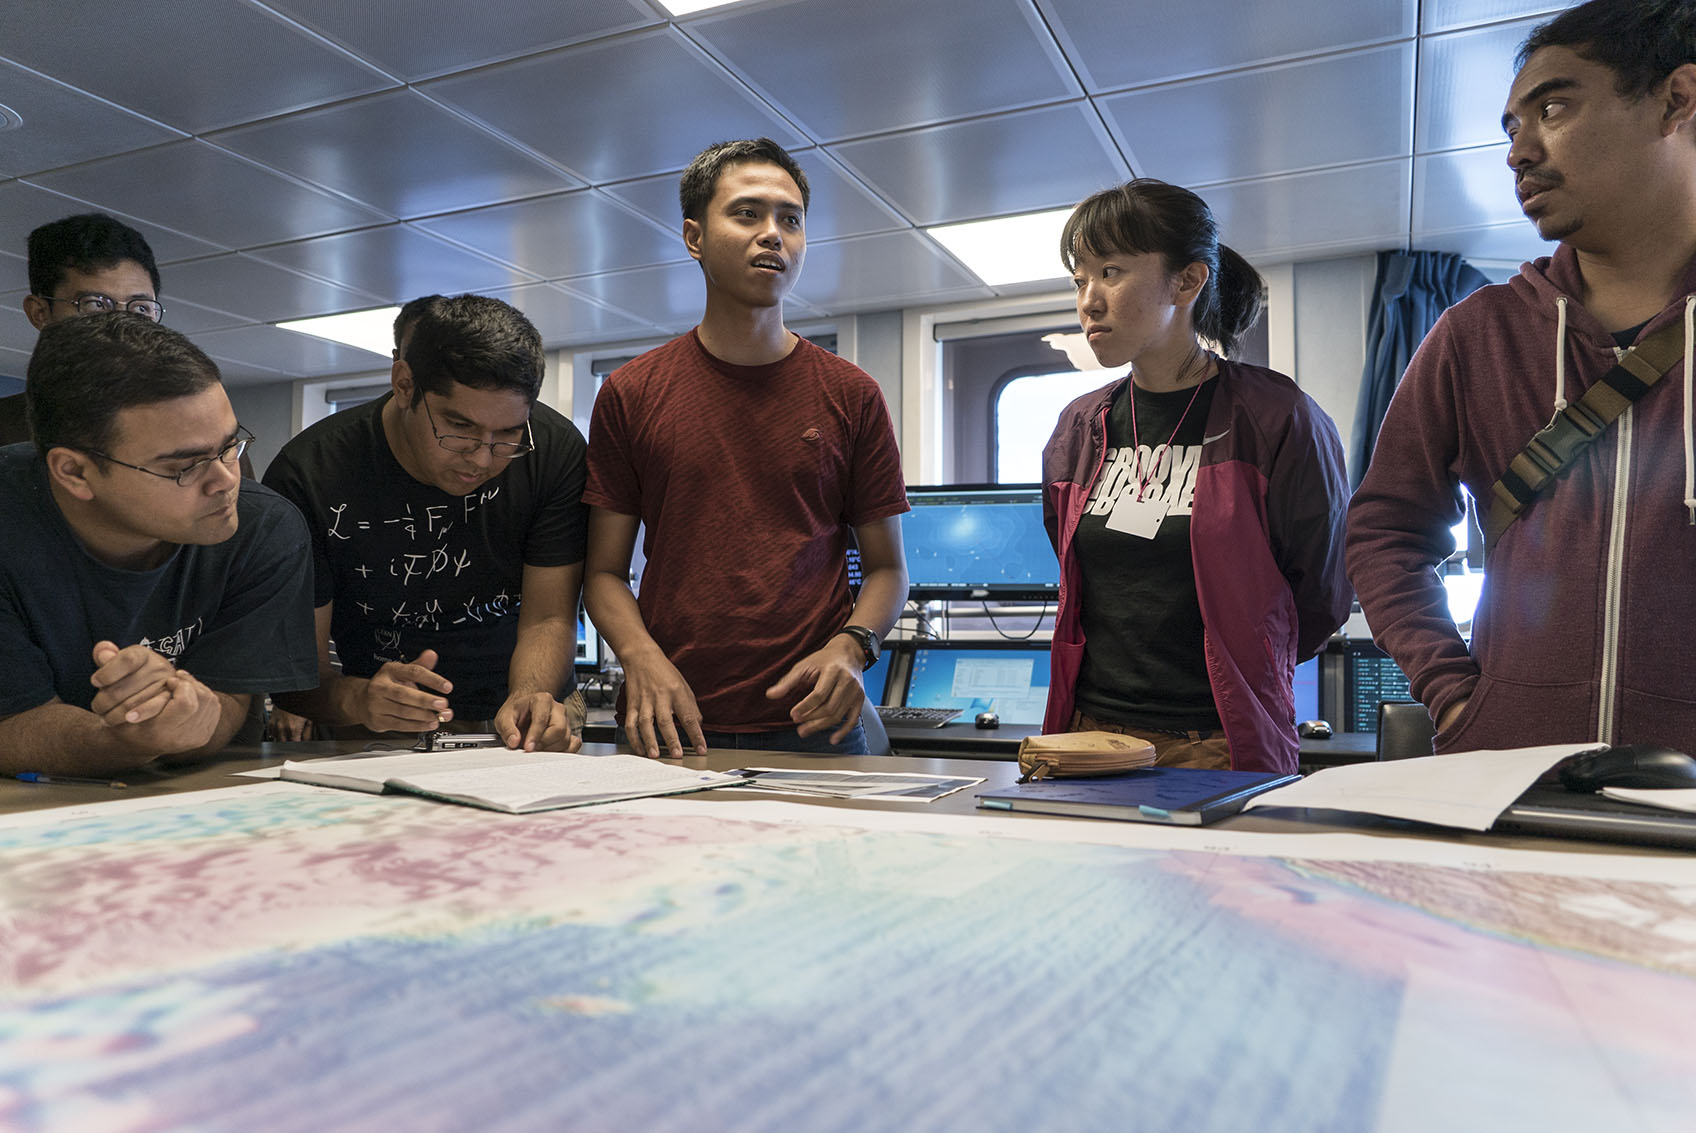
(412, 697)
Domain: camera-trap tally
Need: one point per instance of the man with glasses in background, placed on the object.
(448, 538)
(145, 595)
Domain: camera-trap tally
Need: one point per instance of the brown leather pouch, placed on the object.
(1068, 754)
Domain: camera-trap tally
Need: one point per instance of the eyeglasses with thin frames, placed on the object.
(95, 303)
(464, 446)
(194, 473)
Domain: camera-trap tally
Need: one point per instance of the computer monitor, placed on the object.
(1010, 680)
(978, 541)
(588, 644)
(877, 677)
(1369, 676)
(1307, 691)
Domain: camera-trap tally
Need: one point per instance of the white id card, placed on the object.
(1137, 517)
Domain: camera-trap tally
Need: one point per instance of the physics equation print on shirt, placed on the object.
(1141, 485)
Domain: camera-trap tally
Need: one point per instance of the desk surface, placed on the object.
(245, 958)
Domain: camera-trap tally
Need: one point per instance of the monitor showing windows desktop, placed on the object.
(1010, 680)
(978, 541)
(588, 644)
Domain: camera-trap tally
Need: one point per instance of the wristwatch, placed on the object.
(870, 646)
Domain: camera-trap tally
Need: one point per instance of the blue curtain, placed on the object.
(1411, 290)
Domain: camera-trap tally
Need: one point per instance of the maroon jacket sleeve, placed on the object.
(1307, 500)
(1399, 528)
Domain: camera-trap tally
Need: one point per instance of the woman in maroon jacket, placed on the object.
(1196, 504)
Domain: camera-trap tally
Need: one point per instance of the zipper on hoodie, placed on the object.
(1611, 588)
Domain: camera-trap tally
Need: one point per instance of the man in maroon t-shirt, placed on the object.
(749, 454)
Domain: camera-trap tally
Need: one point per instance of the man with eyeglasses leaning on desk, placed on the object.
(145, 594)
(448, 538)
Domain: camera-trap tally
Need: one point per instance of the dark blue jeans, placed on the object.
(786, 739)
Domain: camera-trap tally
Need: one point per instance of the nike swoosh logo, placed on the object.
(1214, 437)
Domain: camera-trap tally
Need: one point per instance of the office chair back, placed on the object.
(1405, 729)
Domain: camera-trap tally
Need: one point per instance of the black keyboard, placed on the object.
(908, 717)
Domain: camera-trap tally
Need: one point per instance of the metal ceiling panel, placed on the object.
(244, 286)
(24, 207)
(288, 353)
(62, 126)
(419, 38)
(192, 66)
(563, 235)
(579, 106)
(1464, 189)
(1447, 15)
(1010, 163)
(565, 319)
(671, 296)
(194, 188)
(869, 272)
(394, 263)
(1271, 120)
(1120, 45)
(1463, 83)
(369, 150)
(193, 319)
(840, 206)
(875, 65)
(1509, 244)
(1358, 209)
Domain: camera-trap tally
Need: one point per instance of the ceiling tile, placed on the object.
(287, 352)
(192, 187)
(1121, 45)
(193, 319)
(62, 126)
(369, 150)
(195, 67)
(887, 64)
(24, 208)
(670, 296)
(962, 171)
(564, 319)
(434, 36)
(563, 235)
(1463, 83)
(1271, 120)
(394, 263)
(16, 334)
(1496, 243)
(244, 286)
(560, 104)
(840, 206)
(875, 272)
(1464, 189)
(1446, 15)
(13, 363)
(1362, 208)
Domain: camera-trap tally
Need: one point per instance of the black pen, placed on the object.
(38, 777)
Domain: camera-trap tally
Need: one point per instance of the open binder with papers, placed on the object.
(516, 782)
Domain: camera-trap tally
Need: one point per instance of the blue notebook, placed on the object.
(1183, 796)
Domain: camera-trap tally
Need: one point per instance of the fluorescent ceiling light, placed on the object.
(689, 7)
(1008, 249)
(372, 330)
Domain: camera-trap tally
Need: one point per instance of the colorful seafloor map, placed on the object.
(283, 957)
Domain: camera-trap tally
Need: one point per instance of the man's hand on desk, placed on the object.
(833, 674)
(409, 697)
(656, 695)
(152, 707)
(536, 721)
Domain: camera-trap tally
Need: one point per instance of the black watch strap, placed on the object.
(870, 646)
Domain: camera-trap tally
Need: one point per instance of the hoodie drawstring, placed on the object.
(1560, 353)
(1690, 407)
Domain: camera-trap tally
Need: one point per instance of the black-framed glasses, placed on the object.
(464, 446)
(196, 472)
(95, 303)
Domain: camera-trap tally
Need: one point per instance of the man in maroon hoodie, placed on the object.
(1586, 625)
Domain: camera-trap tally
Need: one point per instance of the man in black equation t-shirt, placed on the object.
(448, 536)
(1137, 572)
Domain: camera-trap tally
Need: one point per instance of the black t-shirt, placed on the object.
(1143, 662)
(411, 567)
(237, 614)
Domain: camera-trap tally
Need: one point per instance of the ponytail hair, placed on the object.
(1149, 216)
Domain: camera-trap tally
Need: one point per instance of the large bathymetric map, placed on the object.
(283, 957)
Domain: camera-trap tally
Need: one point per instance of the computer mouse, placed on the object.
(987, 720)
(1314, 730)
(1628, 765)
